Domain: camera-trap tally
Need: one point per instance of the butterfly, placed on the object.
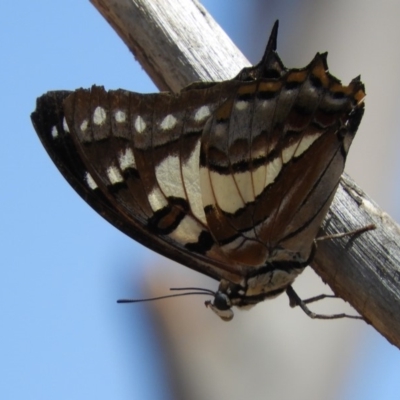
(232, 179)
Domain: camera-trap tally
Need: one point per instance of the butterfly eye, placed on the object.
(222, 301)
(221, 306)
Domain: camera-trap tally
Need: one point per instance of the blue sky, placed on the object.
(63, 336)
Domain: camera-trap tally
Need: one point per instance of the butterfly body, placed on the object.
(232, 179)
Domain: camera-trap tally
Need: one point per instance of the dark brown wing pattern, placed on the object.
(224, 178)
(272, 156)
(136, 169)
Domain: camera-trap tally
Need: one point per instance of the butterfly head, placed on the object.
(222, 304)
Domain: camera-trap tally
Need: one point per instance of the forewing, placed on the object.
(135, 159)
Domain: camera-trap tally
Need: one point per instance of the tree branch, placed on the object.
(177, 42)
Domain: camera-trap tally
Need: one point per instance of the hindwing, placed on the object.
(271, 160)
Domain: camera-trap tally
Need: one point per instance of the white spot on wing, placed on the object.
(273, 168)
(90, 181)
(298, 148)
(206, 189)
(99, 115)
(245, 185)
(191, 179)
(168, 122)
(241, 105)
(140, 125)
(259, 152)
(126, 159)
(65, 125)
(305, 143)
(259, 178)
(226, 192)
(120, 116)
(288, 152)
(168, 173)
(114, 175)
(54, 132)
(202, 113)
(84, 125)
(157, 200)
(188, 231)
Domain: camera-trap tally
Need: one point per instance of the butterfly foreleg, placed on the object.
(352, 233)
(295, 300)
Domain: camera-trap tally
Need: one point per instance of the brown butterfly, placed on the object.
(232, 179)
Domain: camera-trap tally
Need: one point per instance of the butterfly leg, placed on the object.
(295, 300)
(354, 232)
(318, 298)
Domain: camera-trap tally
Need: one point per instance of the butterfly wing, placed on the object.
(271, 160)
(136, 169)
(223, 177)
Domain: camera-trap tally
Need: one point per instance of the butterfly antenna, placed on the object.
(194, 290)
